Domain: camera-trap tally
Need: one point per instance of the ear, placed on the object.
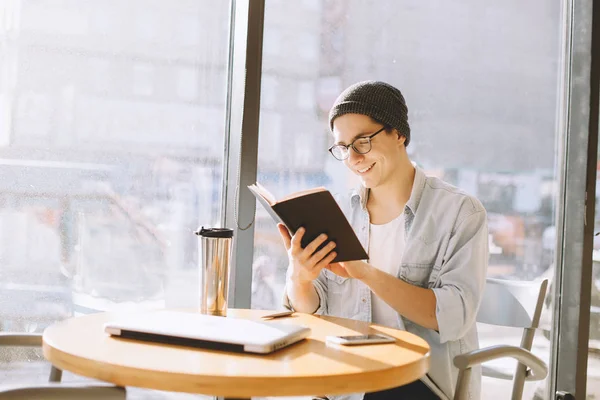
(401, 138)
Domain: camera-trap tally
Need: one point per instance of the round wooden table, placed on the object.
(309, 367)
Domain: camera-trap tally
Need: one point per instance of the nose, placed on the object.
(354, 157)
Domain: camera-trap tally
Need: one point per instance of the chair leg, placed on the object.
(519, 382)
(462, 384)
(55, 374)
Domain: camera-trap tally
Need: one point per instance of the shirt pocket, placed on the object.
(339, 295)
(421, 260)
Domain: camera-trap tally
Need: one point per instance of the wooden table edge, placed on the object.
(227, 386)
(242, 387)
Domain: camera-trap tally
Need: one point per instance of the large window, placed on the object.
(113, 123)
(112, 119)
(481, 84)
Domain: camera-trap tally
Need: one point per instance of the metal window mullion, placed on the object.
(241, 147)
(575, 224)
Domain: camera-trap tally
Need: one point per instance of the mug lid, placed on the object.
(215, 232)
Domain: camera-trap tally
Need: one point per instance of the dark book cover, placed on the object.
(317, 212)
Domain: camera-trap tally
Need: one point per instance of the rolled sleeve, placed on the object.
(319, 285)
(459, 287)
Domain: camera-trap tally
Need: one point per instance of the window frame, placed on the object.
(238, 205)
(578, 148)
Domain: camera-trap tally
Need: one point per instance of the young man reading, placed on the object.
(427, 243)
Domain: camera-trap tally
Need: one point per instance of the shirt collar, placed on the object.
(417, 190)
(361, 194)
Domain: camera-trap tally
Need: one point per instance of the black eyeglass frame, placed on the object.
(347, 146)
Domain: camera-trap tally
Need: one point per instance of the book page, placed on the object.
(302, 193)
(263, 192)
(268, 196)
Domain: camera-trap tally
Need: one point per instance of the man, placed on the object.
(427, 243)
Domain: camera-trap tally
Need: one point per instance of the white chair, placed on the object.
(513, 304)
(54, 389)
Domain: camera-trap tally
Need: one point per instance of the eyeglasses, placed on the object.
(361, 145)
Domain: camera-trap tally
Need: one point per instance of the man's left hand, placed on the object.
(349, 269)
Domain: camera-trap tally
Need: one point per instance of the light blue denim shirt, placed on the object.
(446, 250)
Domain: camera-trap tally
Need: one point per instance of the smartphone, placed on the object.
(360, 339)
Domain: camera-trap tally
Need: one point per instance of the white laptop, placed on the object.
(206, 331)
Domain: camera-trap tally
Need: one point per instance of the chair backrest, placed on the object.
(516, 304)
(13, 339)
(54, 389)
(20, 339)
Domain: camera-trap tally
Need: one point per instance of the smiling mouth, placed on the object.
(362, 171)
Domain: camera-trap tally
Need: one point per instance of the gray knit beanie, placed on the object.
(377, 100)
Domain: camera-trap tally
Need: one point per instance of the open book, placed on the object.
(318, 212)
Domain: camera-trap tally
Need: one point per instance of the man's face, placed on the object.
(378, 165)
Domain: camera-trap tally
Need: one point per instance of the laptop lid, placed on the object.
(207, 331)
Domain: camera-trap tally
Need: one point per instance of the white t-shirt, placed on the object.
(386, 246)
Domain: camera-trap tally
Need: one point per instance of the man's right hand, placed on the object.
(305, 264)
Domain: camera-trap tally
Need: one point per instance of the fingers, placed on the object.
(319, 255)
(337, 269)
(285, 236)
(314, 245)
(296, 247)
(325, 261)
(310, 259)
(307, 253)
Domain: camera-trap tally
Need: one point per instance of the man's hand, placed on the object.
(305, 264)
(350, 269)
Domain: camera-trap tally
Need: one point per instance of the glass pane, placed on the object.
(593, 373)
(481, 85)
(111, 137)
